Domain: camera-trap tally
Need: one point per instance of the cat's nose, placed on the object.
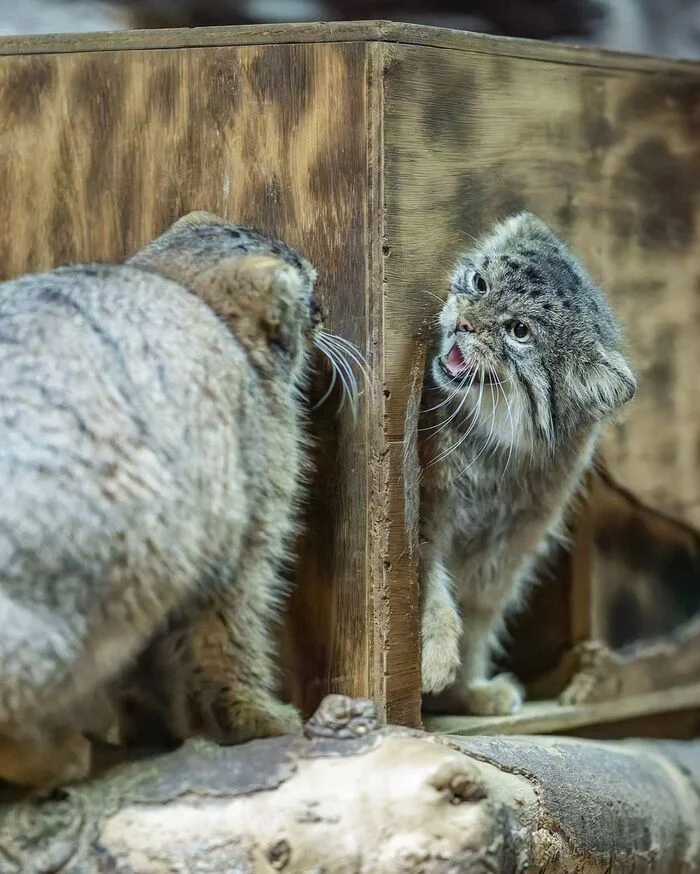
(464, 325)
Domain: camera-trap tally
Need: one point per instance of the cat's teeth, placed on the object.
(455, 361)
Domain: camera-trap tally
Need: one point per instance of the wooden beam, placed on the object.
(332, 31)
(549, 717)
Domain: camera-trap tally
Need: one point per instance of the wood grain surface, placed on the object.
(380, 151)
(610, 158)
(101, 151)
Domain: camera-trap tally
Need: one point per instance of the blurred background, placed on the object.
(665, 27)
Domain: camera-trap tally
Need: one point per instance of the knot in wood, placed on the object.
(341, 717)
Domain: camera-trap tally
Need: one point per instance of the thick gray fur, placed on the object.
(151, 455)
(503, 459)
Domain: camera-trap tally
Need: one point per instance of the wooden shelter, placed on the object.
(379, 150)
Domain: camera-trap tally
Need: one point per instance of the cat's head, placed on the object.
(530, 340)
(261, 288)
(264, 291)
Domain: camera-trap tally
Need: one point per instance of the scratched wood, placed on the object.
(100, 151)
(379, 150)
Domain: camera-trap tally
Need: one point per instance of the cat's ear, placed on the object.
(198, 217)
(603, 381)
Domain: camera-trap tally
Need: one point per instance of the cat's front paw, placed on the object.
(259, 714)
(499, 696)
(440, 656)
(439, 664)
(277, 719)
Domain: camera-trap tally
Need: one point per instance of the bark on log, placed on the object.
(348, 798)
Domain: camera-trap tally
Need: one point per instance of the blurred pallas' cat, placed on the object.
(153, 449)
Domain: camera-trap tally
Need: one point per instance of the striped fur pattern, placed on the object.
(527, 365)
(152, 452)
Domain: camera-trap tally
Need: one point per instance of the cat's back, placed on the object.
(119, 396)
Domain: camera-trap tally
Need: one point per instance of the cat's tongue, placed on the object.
(455, 361)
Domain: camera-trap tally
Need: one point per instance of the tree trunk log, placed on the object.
(348, 797)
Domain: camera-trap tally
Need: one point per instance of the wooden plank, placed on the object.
(583, 594)
(355, 31)
(399, 614)
(396, 661)
(676, 725)
(612, 160)
(645, 568)
(548, 717)
(101, 151)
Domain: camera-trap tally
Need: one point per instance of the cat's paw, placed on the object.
(256, 714)
(597, 677)
(277, 719)
(46, 764)
(439, 665)
(499, 696)
(440, 656)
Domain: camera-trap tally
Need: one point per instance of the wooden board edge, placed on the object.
(547, 717)
(340, 31)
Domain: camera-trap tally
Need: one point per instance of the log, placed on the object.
(351, 797)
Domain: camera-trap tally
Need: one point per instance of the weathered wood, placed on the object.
(470, 137)
(340, 31)
(611, 158)
(645, 568)
(553, 716)
(101, 151)
(379, 150)
(347, 798)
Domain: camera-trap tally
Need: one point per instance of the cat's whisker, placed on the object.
(437, 428)
(344, 371)
(486, 443)
(493, 377)
(512, 430)
(442, 403)
(493, 441)
(342, 355)
(453, 394)
(475, 418)
(436, 296)
(354, 353)
(468, 235)
(329, 390)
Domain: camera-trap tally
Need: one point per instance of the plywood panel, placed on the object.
(100, 151)
(611, 158)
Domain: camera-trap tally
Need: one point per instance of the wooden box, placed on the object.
(378, 150)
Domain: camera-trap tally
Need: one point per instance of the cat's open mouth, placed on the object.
(456, 368)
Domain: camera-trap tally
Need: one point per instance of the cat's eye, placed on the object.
(479, 283)
(520, 331)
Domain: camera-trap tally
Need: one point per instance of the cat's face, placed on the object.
(527, 341)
